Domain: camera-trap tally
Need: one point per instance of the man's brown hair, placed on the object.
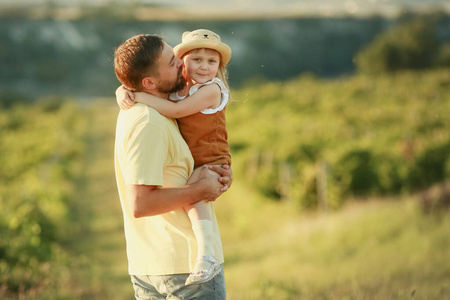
(137, 58)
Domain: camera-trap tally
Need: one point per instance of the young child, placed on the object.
(200, 110)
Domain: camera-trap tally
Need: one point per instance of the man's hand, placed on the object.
(206, 183)
(226, 175)
(211, 180)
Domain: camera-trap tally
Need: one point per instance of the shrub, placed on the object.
(376, 135)
(412, 45)
(430, 166)
(40, 156)
(356, 172)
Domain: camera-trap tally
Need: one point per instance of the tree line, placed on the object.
(74, 57)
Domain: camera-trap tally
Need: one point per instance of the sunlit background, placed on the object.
(339, 130)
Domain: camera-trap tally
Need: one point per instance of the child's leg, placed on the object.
(202, 227)
(197, 212)
(203, 231)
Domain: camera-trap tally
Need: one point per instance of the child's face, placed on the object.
(202, 64)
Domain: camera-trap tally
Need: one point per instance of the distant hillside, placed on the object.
(74, 57)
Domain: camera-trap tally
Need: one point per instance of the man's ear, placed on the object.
(149, 83)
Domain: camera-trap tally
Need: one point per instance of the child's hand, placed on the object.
(124, 98)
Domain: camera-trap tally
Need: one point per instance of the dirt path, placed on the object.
(104, 242)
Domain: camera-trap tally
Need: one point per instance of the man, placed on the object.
(153, 165)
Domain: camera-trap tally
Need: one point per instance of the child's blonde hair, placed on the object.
(222, 74)
(206, 39)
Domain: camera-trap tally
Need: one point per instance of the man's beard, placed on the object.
(176, 86)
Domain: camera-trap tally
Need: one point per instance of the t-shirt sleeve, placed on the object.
(146, 154)
(225, 95)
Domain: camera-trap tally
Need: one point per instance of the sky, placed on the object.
(322, 7)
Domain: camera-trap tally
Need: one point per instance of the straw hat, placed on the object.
(202, 38)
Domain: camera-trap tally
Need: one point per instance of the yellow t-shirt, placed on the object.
(149, 150)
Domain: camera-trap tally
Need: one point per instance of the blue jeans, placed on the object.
(172, 287)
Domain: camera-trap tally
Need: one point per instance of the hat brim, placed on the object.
(223, 49)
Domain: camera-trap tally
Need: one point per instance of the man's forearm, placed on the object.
(146, 201)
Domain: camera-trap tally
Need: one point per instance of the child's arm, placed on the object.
(124, 98)
(208, 96)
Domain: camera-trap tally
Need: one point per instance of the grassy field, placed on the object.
(103, 242)
(374, 250)
(62, 236)
(377, 249)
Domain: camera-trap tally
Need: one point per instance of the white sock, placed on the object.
(203, 231)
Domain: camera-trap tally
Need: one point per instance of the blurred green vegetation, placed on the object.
(306, 152)
(412, 44)
(360, 136)
(382, 137)
(385, 248)
(40, 150)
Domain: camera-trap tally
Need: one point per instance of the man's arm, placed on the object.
(226, 175)
(146, 200)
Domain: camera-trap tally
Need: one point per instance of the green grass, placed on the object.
(102, 243)
(374, 250)
(383, 248)
(377, 249)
